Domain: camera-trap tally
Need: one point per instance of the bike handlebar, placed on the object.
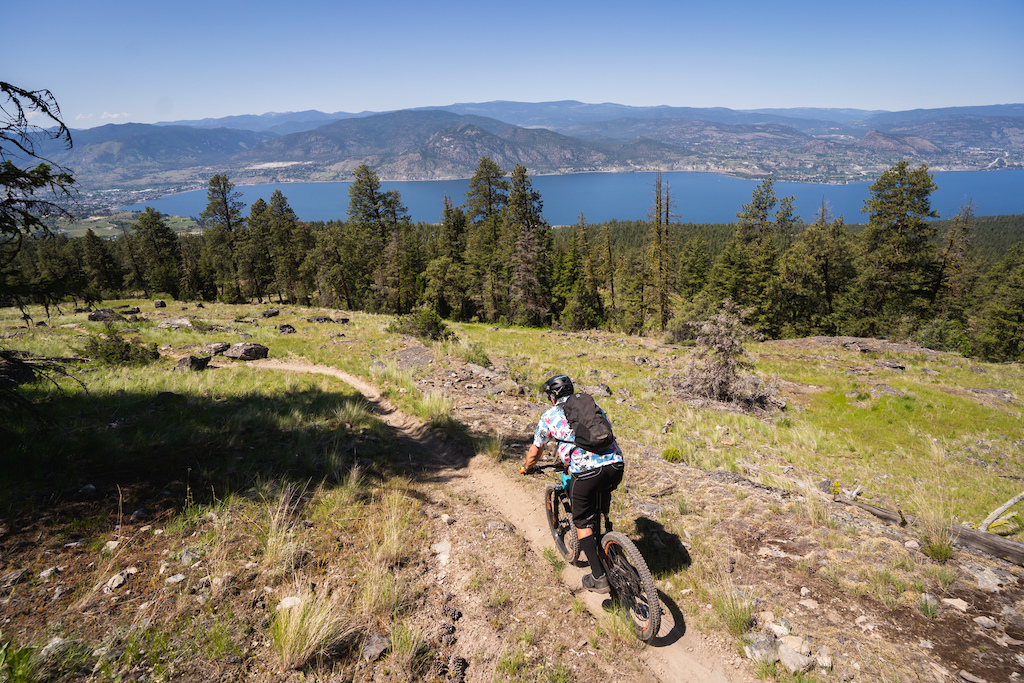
(546, 466)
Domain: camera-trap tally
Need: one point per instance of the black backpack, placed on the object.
(590, 424)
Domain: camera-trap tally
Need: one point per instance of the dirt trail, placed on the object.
(677, 655)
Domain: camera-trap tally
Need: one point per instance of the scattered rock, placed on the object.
(192, 364)
(159, 303)
(286, 329)
(986, 622)
(190, 557)
(114, 582)
(763, 650)
(375, 646)
(174, 324)
(134, 310)
(215, 348)
(270, 313)
(889, 364)
(11, 578)
(105, 315)
(289, 602)
(971, 678)
(793, 660)
(956, 603)
(598, 390)
(46, 574)
(177, 578)
(443, 551)
(247, 351)
(885, 390)
(1003, 395)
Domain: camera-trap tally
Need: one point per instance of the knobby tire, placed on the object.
(632, 584)
(563, 531)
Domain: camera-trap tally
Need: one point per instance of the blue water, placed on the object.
(697, 197)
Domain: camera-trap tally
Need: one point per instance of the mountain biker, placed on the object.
(594, 476)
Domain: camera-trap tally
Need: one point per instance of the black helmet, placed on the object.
(559, 386)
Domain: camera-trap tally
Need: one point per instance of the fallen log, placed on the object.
(991, 544)
(965, 537)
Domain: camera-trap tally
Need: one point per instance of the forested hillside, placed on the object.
(952, 285)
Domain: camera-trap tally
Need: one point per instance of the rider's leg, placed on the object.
(586, 516)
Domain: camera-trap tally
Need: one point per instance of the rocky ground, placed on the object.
(487, 595)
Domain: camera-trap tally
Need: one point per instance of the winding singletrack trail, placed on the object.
(677, 655)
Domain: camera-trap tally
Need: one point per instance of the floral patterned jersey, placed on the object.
(554, 425)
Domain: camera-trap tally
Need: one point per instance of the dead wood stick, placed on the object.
(999, 511)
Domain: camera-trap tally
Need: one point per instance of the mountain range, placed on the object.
(432, 143)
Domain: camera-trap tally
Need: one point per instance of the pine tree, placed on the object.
(486, 199)
(256, 265)
(530, 260)
(102, 270)
(156, 247)
(223, 219)
(897, 255)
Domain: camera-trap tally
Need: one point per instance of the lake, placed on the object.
(697, 197)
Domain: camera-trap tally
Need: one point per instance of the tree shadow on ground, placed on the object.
(133, 450)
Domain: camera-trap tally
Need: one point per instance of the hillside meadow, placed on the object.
(934, 435)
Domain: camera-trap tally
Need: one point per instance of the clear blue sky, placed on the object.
(116, 61)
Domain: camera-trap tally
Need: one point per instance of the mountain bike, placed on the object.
(628, 576)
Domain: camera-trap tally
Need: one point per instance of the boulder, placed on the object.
(793, 660)
(174, 324)
(270, 313)
(216, 348)
(285, 329)
(319, 319)
(105, 315)
(597, 390)
(247, 351)
(159, 303)
(134, 310)
(192, 364)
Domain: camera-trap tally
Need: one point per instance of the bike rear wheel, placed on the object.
(632, 584)
(563, 531)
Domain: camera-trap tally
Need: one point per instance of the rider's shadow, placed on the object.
(663, 550)
(665, 553)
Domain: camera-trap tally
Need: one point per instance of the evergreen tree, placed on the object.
(102, 270)
(530, 259)
(813, 274)
(747, 267)
(256, 265)
(660, 249)
(486, 199)
(223, 220)
(999, 330)
(158, 254)
(380, 236)
(954, 276)
(897, 256)
(692, 269)
(199, 275)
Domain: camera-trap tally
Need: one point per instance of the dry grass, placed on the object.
(314, 626)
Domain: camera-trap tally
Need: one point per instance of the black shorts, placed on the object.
(590, 494)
